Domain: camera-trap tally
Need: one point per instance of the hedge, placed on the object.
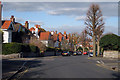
(9, 48)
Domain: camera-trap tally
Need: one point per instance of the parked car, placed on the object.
(84, 53)
(74, 53)
(71, 52)
(79, 53)
(65, 53)
(90, 54)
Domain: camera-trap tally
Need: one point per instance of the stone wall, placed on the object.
(10, 56)
(19, 55)
(110, 54)
(51, 53)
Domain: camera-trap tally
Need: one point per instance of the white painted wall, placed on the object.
(48, 43)
(7, 36)
(45, 42)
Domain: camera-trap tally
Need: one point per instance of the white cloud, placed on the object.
(67, 28)
(36, 22)
(60, 1)
(80, 17)
(17, 19)
(62, 8)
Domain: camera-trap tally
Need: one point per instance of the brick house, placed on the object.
(46, 38)
(15, 32)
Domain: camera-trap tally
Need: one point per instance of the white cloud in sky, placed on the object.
(36, 22)
(76, 9)
(61, 8)
(80, 18)
(59, 0)
(67, 28)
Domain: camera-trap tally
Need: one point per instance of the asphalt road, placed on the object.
(67, 67)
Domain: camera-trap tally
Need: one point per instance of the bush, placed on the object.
(26, 48)
(34, 48)
(110, 42)
(9, 48)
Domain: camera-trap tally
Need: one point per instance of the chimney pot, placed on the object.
(12, 19)
(26, 24)
(26, 21)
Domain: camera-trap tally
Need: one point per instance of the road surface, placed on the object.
(67, 67)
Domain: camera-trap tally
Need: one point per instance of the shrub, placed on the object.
(34, 48)
(9, 48)
(25, 48)
(110, 42)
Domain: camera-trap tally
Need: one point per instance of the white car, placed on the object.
(90, 54)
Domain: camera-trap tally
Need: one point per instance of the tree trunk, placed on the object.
(83, 49)
(94, 47)
(74, 47)
(98, 48)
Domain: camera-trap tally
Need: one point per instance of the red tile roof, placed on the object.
(32, 29)
(44, 35)
(60, 36)
(6, 24)
(55, 36)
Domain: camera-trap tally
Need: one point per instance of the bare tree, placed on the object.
(93, 21)
(38, 43)
(83, 39)
(99, 31)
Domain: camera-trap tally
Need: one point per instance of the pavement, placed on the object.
(108, 63)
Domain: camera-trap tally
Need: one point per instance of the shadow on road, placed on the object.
(10, 67)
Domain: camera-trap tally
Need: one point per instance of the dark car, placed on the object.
(71, 52)
(65, 53)
(79, 53)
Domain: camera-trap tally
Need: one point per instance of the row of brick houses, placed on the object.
(16, 32)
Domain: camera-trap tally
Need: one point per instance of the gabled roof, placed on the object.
(44, 35)
(6, 24)
(32, 29)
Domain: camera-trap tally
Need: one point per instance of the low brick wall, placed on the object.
(51, 53)
(10, 56)
(110, 54)
(19, 55)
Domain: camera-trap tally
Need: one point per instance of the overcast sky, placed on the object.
(61, 16)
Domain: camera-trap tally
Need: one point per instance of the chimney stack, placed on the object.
(65, 32)
(26, 25)
(12, 19)
(55, 32)
(36, 25)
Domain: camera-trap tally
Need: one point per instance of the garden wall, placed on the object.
(110, 54)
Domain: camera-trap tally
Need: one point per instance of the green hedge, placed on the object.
(110, 42)
(9, 48)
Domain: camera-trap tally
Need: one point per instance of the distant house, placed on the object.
(7, 28)
(55, 39)
(36, 30)
(15, 32)
(46, 38)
